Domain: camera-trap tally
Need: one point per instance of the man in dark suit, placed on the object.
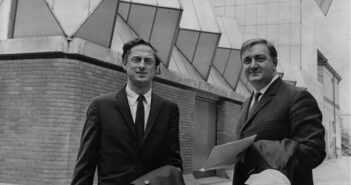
(131, 132)
(285, 118)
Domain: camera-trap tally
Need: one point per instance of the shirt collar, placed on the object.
(132, 96)
(263, 90)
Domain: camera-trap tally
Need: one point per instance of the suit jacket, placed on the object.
(165, 175)
(109, 142)
(290, 135)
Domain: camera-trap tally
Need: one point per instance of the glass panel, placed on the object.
(183, 65)
(223, 41)
(173, 63)
(205, 16)
(146, 2)
(204, 134)
(123, 10)
(71, 14)
(221, 59)
(163, 32)
(318, 1)
(325, 5)
(141, 19)
(186, 43)
(217, 80)
(189, 18)
(233, 32)
(233, 69)
(92, 4)
(98, 28)
(169, 3)
(5, 9)
(205, 52)
(122, 34)
(35, 19)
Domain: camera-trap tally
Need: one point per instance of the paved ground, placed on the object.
(333, 172)
(330, 172)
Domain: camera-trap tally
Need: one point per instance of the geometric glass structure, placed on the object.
(99, 25)
(198, 35)
(34, 18)
(156, 21)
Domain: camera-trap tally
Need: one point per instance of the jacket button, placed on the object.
(147, 182)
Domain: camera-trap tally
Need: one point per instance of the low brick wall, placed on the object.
(42, 111)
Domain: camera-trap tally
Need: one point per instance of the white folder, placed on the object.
(225, 155)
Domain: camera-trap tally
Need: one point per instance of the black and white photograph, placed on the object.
(175, 92)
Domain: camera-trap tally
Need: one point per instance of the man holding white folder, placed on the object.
(287, 122)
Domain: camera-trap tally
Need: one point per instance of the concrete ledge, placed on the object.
(91, 50)
(78, 48)
(33, 45)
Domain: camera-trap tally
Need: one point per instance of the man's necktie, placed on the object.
(255, 103)
(139, 119)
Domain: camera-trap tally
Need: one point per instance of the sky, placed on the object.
(339, 20)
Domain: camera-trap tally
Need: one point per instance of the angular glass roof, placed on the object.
(35, 19)
(216, 79)
(99, 25)
(71, 14)
(189, 17)
(233, 68)
(199, 35)
(230, 29)
(154, 20)
(160, 3)
(122, 34)
(181, 65)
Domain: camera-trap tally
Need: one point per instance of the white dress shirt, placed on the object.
(263, 90)
(133, 103)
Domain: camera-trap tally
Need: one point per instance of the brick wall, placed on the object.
(42, 110)
(227, 116)
(186, 103)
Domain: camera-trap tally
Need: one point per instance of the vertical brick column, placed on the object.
(186, 103)
(227, 115)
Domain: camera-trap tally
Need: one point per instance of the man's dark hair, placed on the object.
(135, 42)
(271, 48)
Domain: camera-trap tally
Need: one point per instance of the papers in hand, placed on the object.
(225, 155)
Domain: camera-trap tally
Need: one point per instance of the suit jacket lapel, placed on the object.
(154, 110)
(124, 109)
(267, 97)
